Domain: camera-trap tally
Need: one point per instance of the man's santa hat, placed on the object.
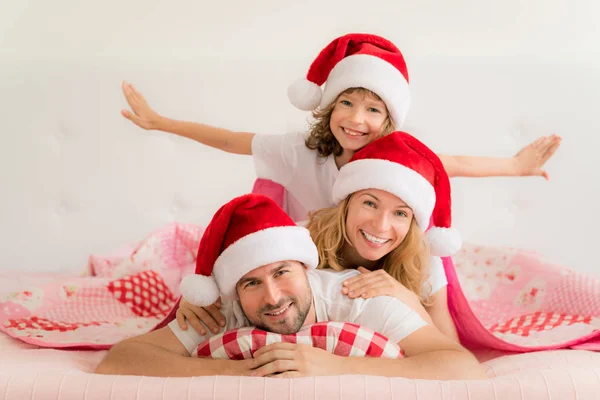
(248, 232)
(356, 60)
(400, 164)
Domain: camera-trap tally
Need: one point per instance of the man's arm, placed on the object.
(160, 353)
(429, 355)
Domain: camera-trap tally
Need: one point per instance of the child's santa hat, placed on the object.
(400, 164)
(248, 232)
(351, 61)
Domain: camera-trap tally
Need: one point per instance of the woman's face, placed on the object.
(377, 222)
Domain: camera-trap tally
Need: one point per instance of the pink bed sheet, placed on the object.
(30, 372)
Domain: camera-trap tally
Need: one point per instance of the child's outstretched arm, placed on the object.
(219, 138)
(529, 161)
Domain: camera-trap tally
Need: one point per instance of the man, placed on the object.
(253, 254)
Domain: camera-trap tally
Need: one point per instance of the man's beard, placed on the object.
(284, 326)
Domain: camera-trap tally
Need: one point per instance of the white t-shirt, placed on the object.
(386, 315)
(308, 179)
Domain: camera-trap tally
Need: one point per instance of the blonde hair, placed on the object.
(407, 263)
(320, 136)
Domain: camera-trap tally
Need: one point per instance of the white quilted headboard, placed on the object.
(486, 79)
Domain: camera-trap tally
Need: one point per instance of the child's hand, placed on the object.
(377, 283)
(210, 316)
(530, 160)
(143, 116)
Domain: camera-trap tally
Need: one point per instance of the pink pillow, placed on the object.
(339, 338)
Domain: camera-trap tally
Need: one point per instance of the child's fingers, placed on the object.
(545, 175)
(550, 151)
(131, 116)
(537, 142)
(138, 96)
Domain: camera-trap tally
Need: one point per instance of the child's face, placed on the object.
(357, 119)
(377, 222)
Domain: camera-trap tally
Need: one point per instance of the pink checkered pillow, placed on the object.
(339, 338)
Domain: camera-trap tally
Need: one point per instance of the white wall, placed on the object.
(486, 78)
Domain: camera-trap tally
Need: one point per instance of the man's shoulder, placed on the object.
(327, 284)
(330, 276)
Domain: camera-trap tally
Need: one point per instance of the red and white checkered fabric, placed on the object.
(339, 338)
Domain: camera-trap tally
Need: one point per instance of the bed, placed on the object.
(77, 179)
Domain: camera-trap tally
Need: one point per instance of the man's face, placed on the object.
(276, 297)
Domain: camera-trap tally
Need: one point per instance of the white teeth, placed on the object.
(353, 133)
(373, 239)
(280, 312)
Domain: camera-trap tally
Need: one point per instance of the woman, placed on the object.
(386, 195)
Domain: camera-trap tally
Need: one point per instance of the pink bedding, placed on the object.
(30, 372)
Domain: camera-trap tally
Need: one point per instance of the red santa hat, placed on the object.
(356, 60)
(248, 232)
(400, 164)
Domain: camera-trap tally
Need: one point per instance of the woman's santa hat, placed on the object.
(400, 164)
(356, 61)
(248, 232)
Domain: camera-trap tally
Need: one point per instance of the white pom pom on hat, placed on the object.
(199, 290)
(305, 95)
(443, 242)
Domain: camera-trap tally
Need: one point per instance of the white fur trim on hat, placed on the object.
(262, 248)
(407, 184)
(443, 241)
(373, 73)
(304, 94)
(199, 290)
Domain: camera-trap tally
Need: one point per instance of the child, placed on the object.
(366, 96)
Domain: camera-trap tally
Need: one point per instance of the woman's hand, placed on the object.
(198, 317)
(142, 115)
(377, 283)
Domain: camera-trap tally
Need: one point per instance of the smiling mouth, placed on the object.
(374, 239)
(280, 311)
(352, 132)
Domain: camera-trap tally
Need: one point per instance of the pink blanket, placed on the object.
(500, 298)
(123, 295)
